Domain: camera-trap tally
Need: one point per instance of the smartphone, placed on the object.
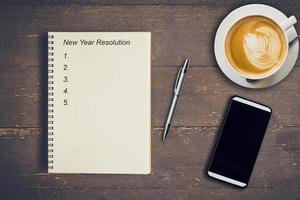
(239, 141)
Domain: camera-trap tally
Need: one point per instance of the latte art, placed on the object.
(261, 50)
(255, 46)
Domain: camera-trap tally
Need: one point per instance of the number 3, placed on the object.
(65, 79)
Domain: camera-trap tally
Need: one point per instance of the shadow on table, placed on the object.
(43, 47)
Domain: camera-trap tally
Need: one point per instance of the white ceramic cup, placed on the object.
(284, 26)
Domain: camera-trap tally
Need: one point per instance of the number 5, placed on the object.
(66, 102)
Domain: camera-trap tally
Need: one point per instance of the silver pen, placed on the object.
(177, 90)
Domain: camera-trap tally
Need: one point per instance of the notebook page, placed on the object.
(101, 108)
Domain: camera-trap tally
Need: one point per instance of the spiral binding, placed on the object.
(50, 100)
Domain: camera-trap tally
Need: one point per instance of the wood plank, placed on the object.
(204, 100)
(207, 92)
(157, 194)
(141, 2)
(22, 97)
(277, 165)
(177, 31)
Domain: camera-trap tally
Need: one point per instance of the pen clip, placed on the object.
(177, 78)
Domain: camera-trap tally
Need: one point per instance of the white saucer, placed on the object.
(233, 17)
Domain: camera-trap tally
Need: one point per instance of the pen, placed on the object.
(177, 90)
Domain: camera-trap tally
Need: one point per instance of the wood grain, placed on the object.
(182, 169)
(204, 100)
(157, 194)
(142, 2)
(177, 31)
(207, 92)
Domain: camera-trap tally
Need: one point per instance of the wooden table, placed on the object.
(179, 29)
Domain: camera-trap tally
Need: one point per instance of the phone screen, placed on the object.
(239, 140)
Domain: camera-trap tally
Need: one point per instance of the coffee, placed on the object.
(255, 46)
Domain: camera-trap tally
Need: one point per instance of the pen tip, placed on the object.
(166, 132)
(164, 137)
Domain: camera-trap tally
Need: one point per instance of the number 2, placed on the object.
(66, 67)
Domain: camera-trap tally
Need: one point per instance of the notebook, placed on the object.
(99, 102)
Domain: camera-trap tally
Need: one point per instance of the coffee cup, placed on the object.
(256, 46)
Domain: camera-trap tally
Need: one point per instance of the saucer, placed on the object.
(232, 18)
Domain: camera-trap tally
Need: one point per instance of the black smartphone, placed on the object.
(239, 141)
